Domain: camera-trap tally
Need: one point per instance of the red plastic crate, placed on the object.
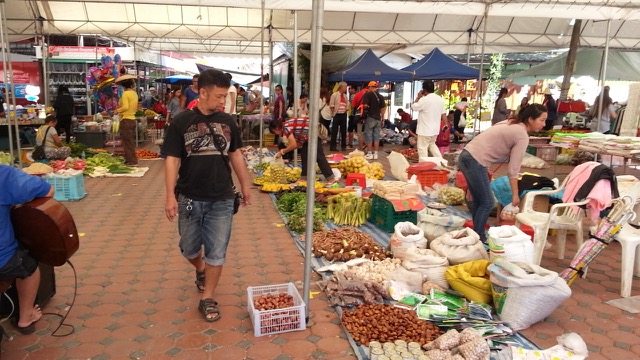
(430, 177)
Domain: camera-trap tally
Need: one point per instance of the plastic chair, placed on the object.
(629, 238)
(562, 217)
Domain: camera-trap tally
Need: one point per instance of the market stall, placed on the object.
(389, 254)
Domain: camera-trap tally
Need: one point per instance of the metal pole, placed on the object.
(296, 89)
(603, 75)
(6, 57)
(45, 72)
(272, 80)
(261, 84)
(476, 122)
(312, 146)
(13, 85)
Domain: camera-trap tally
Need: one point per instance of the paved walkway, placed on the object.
(136, 298)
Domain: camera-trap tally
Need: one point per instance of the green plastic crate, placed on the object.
(384, 216)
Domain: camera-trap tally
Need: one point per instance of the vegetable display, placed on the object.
(5, 158)
(294, 207)
(381, 322)
(410, 154)
(347, 209)
(345, 244)
(147, 154)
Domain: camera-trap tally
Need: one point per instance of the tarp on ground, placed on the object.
(436, 65)
(621, 66)
(368, 67)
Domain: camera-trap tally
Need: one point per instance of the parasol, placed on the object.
(621, 212)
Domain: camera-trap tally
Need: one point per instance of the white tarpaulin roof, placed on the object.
(413, 27)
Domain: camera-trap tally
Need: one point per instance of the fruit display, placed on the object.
(348, 209)
(317, 185)
(293, 174)
(150, 113)
(381, 322)
(359, 164)
(272, 302)
(410, 154)
(271, 187)
(451, 195)
(275, 174)
(147, 154)
(345, 244)
(259, 181)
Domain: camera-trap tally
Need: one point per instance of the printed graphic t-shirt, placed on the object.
(197, 139)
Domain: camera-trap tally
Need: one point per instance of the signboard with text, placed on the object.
(80, 52)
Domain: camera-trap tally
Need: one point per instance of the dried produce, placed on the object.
(451, 195)
(348, 209)
(38, 169)
(345, 244)
(475, 350)
(346, 290)
(447, 341)
(374, 271)
(271, 301)
(381, 322)
(438, 354)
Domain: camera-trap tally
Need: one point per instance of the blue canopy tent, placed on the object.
(176, 79)
(368, 67)
(438, 66)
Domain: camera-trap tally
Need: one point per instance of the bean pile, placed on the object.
(383, 323)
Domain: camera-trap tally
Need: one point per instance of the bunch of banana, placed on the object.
(347, 209)
(273, 187)
(149, 112)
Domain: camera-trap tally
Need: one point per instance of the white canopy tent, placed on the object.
(402, 26)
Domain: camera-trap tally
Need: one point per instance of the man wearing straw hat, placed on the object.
(127, 110)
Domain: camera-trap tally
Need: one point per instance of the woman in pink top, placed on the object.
(508, 138)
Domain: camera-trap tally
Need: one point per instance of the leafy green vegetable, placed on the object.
(119, 169)
(105, 160)
(294, 207)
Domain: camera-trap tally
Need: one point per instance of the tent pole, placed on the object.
(6, 58)
(261, 84)
(603, 74)
(296, 89)
(272, 78)
(571, 60)
(312, 146)
(476, 124)
(13, 83)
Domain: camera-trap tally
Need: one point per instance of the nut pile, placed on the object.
(467, 345)
(271, 302)
(345, 244)
(380, 322)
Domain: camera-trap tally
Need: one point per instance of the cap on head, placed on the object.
(373, 84)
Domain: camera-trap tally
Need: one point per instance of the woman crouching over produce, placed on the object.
(507, 138)
(296, 132)
(47, 135)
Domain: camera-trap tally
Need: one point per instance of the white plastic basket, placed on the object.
(276, 321)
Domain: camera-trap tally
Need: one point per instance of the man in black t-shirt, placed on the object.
(201, 146)
(373, 104)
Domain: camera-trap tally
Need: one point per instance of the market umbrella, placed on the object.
(176, 79)
(609, 226)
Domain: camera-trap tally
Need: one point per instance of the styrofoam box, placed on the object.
(276, 321)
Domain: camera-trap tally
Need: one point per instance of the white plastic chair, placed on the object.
(629, 238)
(562, 217)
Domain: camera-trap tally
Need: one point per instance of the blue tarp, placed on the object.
(368, 67)
(437, 66)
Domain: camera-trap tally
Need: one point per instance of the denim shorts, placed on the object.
(20, 266)
(371, 130)
(206, 224)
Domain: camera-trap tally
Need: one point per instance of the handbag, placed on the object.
(323, 133)
(38, 150)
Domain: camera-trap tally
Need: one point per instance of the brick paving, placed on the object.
(136, 298)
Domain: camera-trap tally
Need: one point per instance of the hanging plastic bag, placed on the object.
(509, 212)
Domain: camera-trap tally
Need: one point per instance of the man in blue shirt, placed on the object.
(19, 187)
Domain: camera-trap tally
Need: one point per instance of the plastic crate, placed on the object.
(430, 177)
(67, 188)
(276, 321)
(384, 216)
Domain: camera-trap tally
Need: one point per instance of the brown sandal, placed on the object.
(209, 307)
(200, 280)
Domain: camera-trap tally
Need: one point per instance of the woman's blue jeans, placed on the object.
(479, 184)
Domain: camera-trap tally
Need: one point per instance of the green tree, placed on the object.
(493, 83)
